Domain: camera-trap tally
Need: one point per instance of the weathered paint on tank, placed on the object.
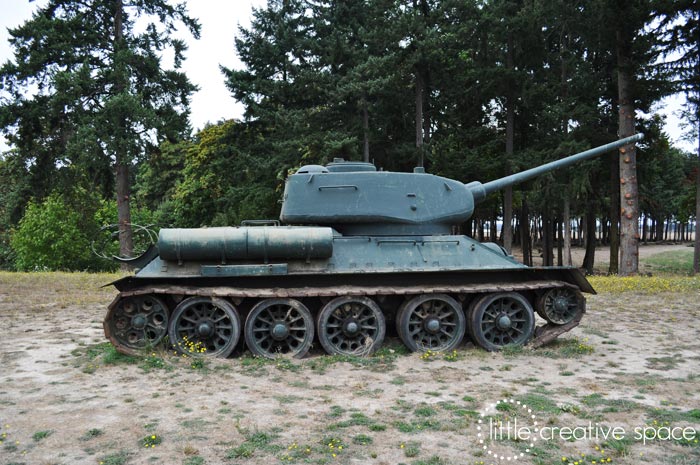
(359, 247)
(244, 243)
(365, 254)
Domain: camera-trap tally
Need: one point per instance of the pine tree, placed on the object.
(679, 26)
(88, 88)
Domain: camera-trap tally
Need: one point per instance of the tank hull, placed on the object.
(432, 289)
(350, 255)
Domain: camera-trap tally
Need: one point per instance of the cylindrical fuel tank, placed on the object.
(229, 243)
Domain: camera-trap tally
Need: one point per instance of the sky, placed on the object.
(220, 20)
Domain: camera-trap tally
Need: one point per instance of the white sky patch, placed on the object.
(220, 20)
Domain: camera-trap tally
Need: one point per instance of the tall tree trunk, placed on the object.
(564, 90)
(579, 231)
(560, 248)
(525, 233)
(614, 215)
(419, 115)
(126, 241)
(126, 245)
(590, 239)
(696, 243)
(566, 219)
(422, 82)
(629, 197)
(510, 136)
(365, 132)
(493, 231)
(547, 239)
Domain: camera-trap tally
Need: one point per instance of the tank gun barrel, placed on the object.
(480, 191)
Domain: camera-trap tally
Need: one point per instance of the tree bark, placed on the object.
(525, 233)
(560, 248)
(365, 130)
(493, 230)
(614, 216)
(629, 197)
(589, 258)
(696, 243)
(566, 219)
(126, 241)
(419, 116)
(510, 136)
(126, 245)
(547, 239)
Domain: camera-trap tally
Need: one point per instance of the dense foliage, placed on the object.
(472, 90)
(87, 95)
(52, 236)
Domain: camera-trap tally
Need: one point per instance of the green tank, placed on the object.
(355, 250)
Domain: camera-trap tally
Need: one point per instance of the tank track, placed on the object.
(471, 296)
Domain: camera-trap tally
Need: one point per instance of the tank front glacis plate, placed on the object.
(361, 254)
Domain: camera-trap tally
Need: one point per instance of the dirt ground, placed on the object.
(67, 398)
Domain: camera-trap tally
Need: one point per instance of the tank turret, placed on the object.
(356, 199)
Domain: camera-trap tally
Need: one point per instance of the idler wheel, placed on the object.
(136, 322)
(352, 325)
(279, 327)
(498, 320)
(431, 322)
(205, 326)
(560, 306)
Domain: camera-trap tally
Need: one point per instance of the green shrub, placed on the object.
(52, 236)
(58, 233)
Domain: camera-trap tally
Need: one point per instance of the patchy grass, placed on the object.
(672, 261)
(362, 439)
(382, 360)
(195, 460)
(411, 449)
(663, 363)
(118, 458)
(41, 435)
(91, 358)
(254, 440)
(60, 287)
(356, 419)
(91, 434)
(434, 460)
(565, 347)
(644, 284)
